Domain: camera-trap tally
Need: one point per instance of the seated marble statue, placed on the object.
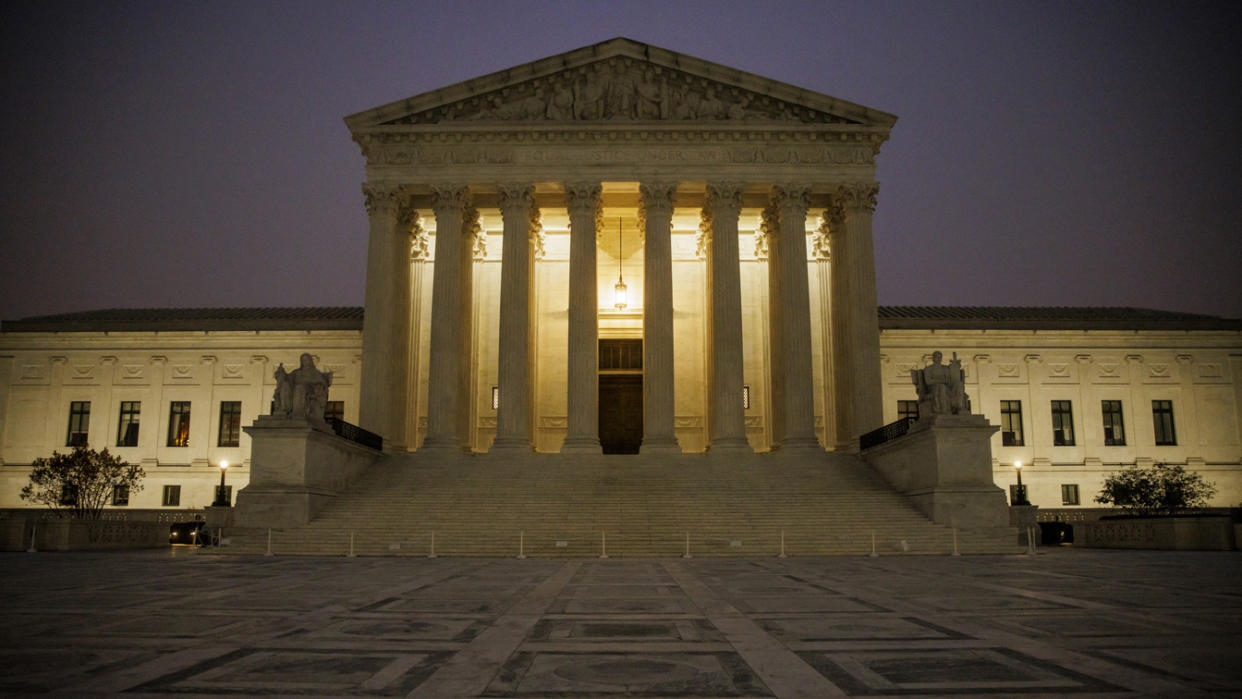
(941, 388)
(302, 393)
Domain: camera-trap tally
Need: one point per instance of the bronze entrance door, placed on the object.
(620, 396)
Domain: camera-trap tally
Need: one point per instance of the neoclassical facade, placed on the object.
(669, 147)
(622, 249)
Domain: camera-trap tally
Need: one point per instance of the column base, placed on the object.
(581, 445)
(512, 445)
(799, 445)
(660, 445)
(730, 445)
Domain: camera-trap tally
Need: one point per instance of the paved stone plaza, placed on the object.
(1063, 622)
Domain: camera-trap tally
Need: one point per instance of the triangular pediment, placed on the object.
(619, 81)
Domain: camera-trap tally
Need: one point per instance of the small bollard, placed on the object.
(873, 551)
(34, 528)
(522, 544)
(1030, 541)
(603, 545)
(955, 552)
(351, 544)
(687, 553)
(269, 543)
(782, 554)
(432, 553)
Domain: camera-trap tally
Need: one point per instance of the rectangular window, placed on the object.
(127, 425)
(335, 410)
(79, 423)
(1069, 494)
(230, 423)
(172, 495)
(1114, 425)
(1062, 424)
(179, 424)
(68, 495)
(620, 355)
(908, 408)
(120, 496)
(1011, 423)
(1162, 419)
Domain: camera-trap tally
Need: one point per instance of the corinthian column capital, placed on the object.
(382, 198)
(583, 198)
(791, 200)
(856, 196)
(657, 197)
(724, 199)
(516, 200)
(448, 198)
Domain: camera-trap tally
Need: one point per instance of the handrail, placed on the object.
(891, 431)
(356, 434)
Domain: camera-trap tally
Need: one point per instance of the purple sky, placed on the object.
(193, 154)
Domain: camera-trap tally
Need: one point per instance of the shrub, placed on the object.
(80, 483)
(1162, 489)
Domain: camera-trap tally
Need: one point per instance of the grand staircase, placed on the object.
(560, 505)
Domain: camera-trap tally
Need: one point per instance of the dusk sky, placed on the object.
(1046, 153)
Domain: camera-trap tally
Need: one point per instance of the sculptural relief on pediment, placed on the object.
(621, 89)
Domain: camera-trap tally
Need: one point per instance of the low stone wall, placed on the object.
(1159, 533)
(81, 534)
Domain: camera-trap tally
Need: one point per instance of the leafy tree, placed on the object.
(80, 483)
(1161, 489)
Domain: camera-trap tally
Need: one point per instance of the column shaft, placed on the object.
(513, 424)
(658, 429)
(386, 330)
(728, 422)
(770, 225)
(582, 401)
(856, 331)
(798, 398)
(444, 361)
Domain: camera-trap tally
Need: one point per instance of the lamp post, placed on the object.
(222, 500)
(1019, 497)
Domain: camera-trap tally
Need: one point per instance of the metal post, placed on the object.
(432, 554)
(603, 545)
(687, 553)
(522, 544)
(873, 552)
(269, 543)
(955, 552)
(33, 529)
(782, 555)
(351, 543)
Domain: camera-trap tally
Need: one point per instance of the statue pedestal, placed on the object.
(296, 469)
(944, 465)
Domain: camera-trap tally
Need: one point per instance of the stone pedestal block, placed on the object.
(295, 471)
(944, 465)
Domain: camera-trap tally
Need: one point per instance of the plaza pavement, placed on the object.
(1081, 622)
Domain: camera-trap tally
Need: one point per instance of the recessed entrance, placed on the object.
(620, 396)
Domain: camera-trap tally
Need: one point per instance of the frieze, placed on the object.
(620, 89)
(574, 154)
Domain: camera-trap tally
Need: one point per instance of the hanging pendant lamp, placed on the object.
(619, 290)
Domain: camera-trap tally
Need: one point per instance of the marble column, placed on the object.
(769, 226)
(728, 423)
(657, 209)
(444, 362)
(582, 403)
(797, 395)
(856, 330)
(513, 423)
(467, 407)
(386, 329)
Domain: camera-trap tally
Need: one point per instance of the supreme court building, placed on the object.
(622, 249)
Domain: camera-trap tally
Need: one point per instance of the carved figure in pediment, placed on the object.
(737, 108)
(561, 106)
(591, 94)
(621, 96)
(711, 107)
(688, 108)
(650, 96)
(532, 108)
(941, 388)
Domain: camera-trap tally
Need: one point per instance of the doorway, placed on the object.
(620, 396)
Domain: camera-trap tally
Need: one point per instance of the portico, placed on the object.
(737, 210)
